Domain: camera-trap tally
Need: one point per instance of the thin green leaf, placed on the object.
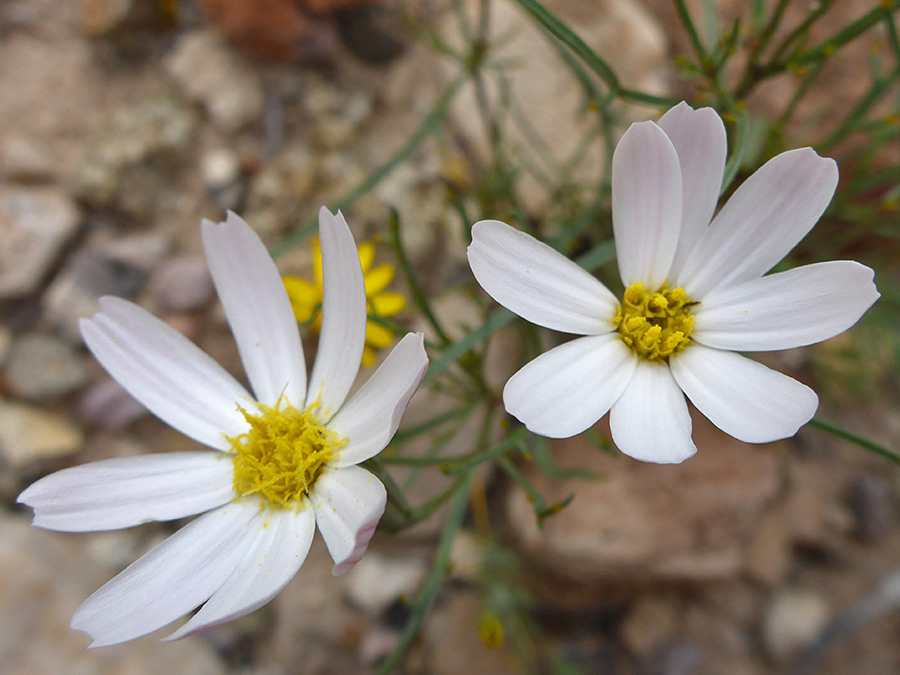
(434, 581)
(429, 125)
(847, 435)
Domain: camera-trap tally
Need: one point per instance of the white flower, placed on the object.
(285, 461)
(695, 295)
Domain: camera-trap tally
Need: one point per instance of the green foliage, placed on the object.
(728, 68)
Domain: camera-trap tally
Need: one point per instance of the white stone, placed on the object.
(35, 224)
(24, 159)
(44, 576)
(41, 366)
(792, 620)
(220, 168)
(547, 95)
(28, 433)
(378, 580)
(209, 72)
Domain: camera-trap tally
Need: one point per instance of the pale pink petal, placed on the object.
(646, 204)
(258, 310)
(343, 317)
(370, 418)
(789, 309)
(166, 372)
(762, 221)
(701, 143)
(171, 580)
(538, 282)
(742, 397)
(650, 421)
(127, 491)
(269, 562)
(349, 502)
(567, 389)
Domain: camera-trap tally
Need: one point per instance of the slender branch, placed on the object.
(415, 287)
(688, 23)
(847, 435)
(562, 32)
(435, 578)
(428, 126)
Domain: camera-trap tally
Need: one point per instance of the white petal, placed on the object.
(349, 503)
(646, 204)
(538, 282)
(270, 561)
(127, 491)
(650, 421)
(743, 398)
(371, 417)
(170, 580)
(567, 389)
(258, 310)
(764, 219)
(166, 372)
(701, 143)
(789, 309)
(343, 316)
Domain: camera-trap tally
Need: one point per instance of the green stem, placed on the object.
(460, 411)
(540, 505)
(394, 492)
(556, 27)
(776, 62)
(495, 321)
(435, 578)
(688, 23)
(418, 293)
(428, 126)
(839, 39)
(846, 435)
(741, 125)
(893, 37)
(462, 465)
(422, 511)
(878, 89)
(799, 94)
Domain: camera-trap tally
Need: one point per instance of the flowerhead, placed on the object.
(282, 461)
(306, 298)
(696, 293)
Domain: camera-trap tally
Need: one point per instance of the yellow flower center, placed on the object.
(282, 455)
(655, 325)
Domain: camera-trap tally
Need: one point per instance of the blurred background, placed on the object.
(124, 122)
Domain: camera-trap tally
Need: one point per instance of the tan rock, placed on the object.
(641, 521)
(44, 576)
(453, 644)
(35, 224)
(42, 366)
(28, 434)
(379, 580)
(553, 128)
(769, 556)
(792, 620)
(210, 73)
(650, 623)
(315, 631)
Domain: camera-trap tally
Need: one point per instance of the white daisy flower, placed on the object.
(285, 461)
(695, 295)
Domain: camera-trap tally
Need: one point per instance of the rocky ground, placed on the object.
(122, 123)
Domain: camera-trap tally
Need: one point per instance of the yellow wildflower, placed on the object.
(306, 298)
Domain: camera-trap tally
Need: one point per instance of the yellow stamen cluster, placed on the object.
(655, 325)
(490, 630)
(282, 454)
